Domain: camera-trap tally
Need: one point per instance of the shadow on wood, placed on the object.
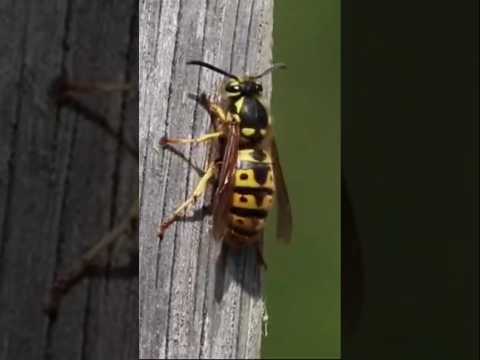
(65, 182)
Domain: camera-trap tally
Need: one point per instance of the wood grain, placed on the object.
(190, 307)
(64, 182)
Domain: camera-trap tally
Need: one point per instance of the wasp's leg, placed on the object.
(214, 109)
(221, 116)
(64, 282)
(209, 137)
(218, 112)
(199, 191)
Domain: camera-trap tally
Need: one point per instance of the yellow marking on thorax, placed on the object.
(239, 104)
(248, 132)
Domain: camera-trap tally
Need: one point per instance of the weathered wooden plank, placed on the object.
(30, 205)
(181, 312)
(65, 181)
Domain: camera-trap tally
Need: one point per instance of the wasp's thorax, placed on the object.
(243, 97)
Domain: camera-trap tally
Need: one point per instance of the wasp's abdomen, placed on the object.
(253, 195)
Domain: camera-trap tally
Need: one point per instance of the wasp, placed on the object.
(248, 173)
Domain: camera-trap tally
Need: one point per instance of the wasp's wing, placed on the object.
(284, 210)
(226, 178)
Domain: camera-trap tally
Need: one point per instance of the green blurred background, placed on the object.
(303, 279)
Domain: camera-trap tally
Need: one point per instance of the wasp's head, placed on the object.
(246, 87)
(236, 86)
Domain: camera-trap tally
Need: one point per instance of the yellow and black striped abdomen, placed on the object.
(253, 195)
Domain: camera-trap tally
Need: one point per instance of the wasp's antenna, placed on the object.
(270, 69)
(211, 67)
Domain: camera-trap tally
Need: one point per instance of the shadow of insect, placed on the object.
(121, 238)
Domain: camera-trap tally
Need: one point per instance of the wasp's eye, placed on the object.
(232, 88)
(259, 87)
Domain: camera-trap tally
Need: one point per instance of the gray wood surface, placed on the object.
(189, 306)
(63, 180)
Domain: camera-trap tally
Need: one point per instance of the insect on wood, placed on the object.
(247, 175)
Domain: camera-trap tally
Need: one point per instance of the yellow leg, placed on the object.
(165, 141)
(218, 113)
(213, 108)
(199, 191)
